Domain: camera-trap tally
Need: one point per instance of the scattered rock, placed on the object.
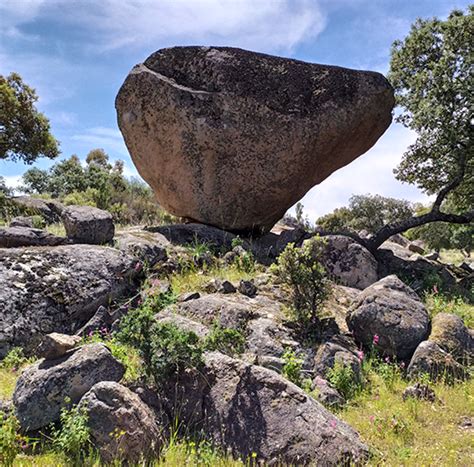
(216, 285)
(149, 251)
(247, 288)
(57, 289)
(249, 409)
(49, 209)
(86, 224)
(122, 427)
(286, 125)
(55, 345)
(12, 237)
(417, 246)
(22, 221)
(42, 389)
(431, 359)
(186, 297)
(450, 333)
(186, 324)
(467, 423)
(327, 395)
(400, 240)
(348, 262)
(419, 391)
(433, 256)
(392, 311)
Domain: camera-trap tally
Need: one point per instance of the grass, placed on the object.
(8, 379)
(454, 257)
(56, 229)
(191, 281)
(413, 432)
(438, 303)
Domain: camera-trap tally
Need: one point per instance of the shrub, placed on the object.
(15, 359)
(245, 262)
(228, 341)
(73, 438)
(307, 278)
(11, 442)
(343, 379)
(292, 368)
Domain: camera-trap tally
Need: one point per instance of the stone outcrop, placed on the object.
(57, 289)
(233, 138)
(248, 409)
(44, 388)
(55, 345)
(390, 310)
(48, 209)
(16, 236)
(122, 427)
(86, 224)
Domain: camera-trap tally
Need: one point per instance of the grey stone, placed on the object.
(417, 246)
(44, 387)
(348, 262)
(249, 409)
(55, 345)
(13, 237)
(419, 391)
(122, 427)
(186, 297)
(327, 395)
(392, 311)
(86, 224)
(50, 210)
(247, 288)
(22, 221)
(57, 289)
(429, 358)
(287, 125)
(146, 250)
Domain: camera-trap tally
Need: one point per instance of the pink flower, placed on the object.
(360, 355)
(402, 365)
(435, 289)
(333, 423)
(138, 267)
(375, 340)
(371, 419)
(387, 359)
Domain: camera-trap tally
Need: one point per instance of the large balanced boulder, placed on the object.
(233, 138)
(57, 289)
(253, 411)
(44, 388)
(391, 316)
(86, 224)
(122, 426)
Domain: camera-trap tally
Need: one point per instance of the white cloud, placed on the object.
(371, 173)
(109, 139)
(12, 181)
(267, 25)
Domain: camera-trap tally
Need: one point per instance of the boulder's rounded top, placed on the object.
(285, 85)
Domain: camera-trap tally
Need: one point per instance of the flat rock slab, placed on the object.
(57, 289)
(16, 236)
(233, 138)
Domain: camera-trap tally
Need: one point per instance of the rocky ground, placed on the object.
(389, 364)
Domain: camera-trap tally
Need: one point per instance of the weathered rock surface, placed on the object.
(48, 209)
(249, 409)
(451, 334)
(57, 289)
(86, 224)
(393, 312)
(327, 395)
(22, 221)
(419, 391)
(348, 262)
(431, 359)
(250, 133)
(146, 248)
(12, 237)
(42, 389)
(55, 345)
(122, 427)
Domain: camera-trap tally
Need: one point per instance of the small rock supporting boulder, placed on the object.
(55, 345)
(251, 133)
(122, 427)
(390, 310)
(44, 387)
(86, 224)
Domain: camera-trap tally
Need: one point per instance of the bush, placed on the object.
(299, 268)
(73, 438)
(292, 368)
(11, 442)
(343, 379)
(225, 340)
(15, 359)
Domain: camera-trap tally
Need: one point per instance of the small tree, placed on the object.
(24, 132)
(301, 270)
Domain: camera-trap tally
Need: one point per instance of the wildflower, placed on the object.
(138, 266)
(254, 455)
(371, 419)
(91, 333)
(375, 340)
(333, 423)
(402, 365)
(435, 289)
(387, 359)
(360, 355)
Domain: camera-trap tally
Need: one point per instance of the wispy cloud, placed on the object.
(109, 139)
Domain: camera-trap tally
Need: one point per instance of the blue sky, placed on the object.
(76, 53)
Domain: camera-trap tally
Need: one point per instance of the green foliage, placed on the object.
(25, 132)
(237, 241)
(11, 442)
(4, 190)
(15, 359)
(225, 340)
(343, 379)
(73, 438)
(366, 212)
(99, 184)
(300, 269)
(292, 367)
(437, 302)
(431, 72)
(245, 262)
